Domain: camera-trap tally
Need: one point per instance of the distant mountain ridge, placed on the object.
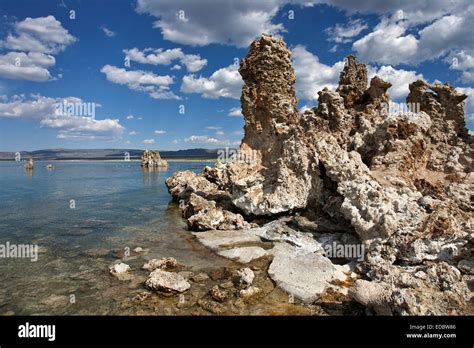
(105, 154)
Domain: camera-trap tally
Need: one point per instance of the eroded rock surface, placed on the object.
(167, 281)
(352, 170)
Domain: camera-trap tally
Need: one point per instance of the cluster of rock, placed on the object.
(152, 159)
(346, 172)
(167, 277)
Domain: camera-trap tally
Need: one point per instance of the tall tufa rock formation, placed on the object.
(152, 159)
(399, 183)
(30, 164)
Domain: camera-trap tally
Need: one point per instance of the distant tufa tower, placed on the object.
(30, 164)
(152, 159)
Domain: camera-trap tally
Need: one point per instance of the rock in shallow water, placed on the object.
(249, 292)
(303, 275)
(166, 263)
(217, 294)
(152, 159)
(119, 268)
(56, 301)
(200, 277)
(244, 277)
(244, 254)
(216, 239)
(121, 271)
(167, 281)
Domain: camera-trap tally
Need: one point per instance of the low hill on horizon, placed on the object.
(104, 154)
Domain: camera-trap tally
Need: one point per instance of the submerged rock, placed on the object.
(244, 277)
(244, 254)
(166, 263)
(56, 301)
(249, 292)
(217, 294)
(200, 277)
(120, 270)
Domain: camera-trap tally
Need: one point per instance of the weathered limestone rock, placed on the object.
(374, 211)
(423, 290)
(56, 301)
(200, 277)
(182, 184)
(216, 218)
(303, 275)
(217, 294)
(466, 266)
(445, 107)
(167, 281)
(244, 277)
(166, 263)
(152, 159)
(451, 151)
(120, 270)
(352, 81)
(269, 183)
(268, 96)
(398, 183)
(244, 254)
(216, 240)
(331, 108)
(251, 291)
(373, 295)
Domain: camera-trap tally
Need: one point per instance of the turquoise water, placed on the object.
(117, 207)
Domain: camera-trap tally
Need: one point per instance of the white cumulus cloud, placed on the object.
(235, 112)
(43, 110)
(156, 86)
(158, 56)
(344, 33)
(33, 43)
(42, 34)
(225, 82)
(312, 75)
(199, 23)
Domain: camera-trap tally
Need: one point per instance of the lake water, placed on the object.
(118, 207)
(84, 216)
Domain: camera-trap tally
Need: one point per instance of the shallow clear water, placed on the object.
(117, 206)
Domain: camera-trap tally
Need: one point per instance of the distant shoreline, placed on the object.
(113, 160)
(197, 154)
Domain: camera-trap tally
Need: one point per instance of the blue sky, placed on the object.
(182, 55)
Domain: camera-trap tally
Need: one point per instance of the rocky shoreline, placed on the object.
(348, 174)
(172, 288)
